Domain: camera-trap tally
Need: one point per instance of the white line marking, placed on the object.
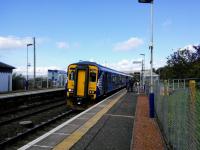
(62, 125)
(132, 117)
(82, 118)
(43, 146)
(90, 113)
(59, 133)
(85, 118)
(131, 147)
(73, 125)
(102, 105)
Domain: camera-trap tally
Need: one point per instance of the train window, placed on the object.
(92, 77)
(71, 76)
(109, 77)
(113, 78)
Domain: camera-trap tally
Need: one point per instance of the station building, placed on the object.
(57, 78)
(147, 75)
(5, 77)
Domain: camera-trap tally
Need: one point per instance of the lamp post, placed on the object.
(34, 63)
(143, 69)
(27, 65)
(151, 95)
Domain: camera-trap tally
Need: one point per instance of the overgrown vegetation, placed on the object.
(18, 81)
(182, 64)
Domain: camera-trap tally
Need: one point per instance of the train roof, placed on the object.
(103, 68)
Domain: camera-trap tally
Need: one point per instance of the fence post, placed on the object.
(165, 87)
(184, 84)
(47, 83)
(178, 84)
(192, 85)
(192, 119)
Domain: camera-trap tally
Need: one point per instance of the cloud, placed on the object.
(167, 23)
(12, 42)
(190, 47)
(40, 71)
(159, 63)
(76, 45)
(128, 45)
(62, 45)
(125, 65)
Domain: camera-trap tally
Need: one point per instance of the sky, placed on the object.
(110, 32)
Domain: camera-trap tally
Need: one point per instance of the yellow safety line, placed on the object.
(67, 143)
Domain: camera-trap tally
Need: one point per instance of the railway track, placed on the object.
(29, 106)
(12, 139)
(22, 115)
(30, 115)
(47, 114)
(14, 104)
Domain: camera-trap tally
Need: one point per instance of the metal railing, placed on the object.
(45, 83)
(40, 83)
(178, 114)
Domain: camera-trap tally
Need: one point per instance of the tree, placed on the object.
(184, 63)
(18, 81)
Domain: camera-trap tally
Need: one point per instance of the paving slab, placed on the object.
(113, 130)
(68, 129)
(88, 124)
(51, 140)
(40, 148)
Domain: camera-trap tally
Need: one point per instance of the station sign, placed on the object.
(145, 1)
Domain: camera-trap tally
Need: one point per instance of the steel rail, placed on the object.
(30, 107)
(37, 127)
(30, 114)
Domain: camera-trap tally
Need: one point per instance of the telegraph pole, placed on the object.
(27, 65)
(34, 58)
(151, 95)
(143, 69)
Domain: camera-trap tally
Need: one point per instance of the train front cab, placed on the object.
(81, 85)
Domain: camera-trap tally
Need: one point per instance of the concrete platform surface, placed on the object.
(114, 130)
(10, 95)
(106, 125)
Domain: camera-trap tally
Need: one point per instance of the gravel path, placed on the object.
(146, 133)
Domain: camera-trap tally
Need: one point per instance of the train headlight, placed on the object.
(91, 92)
(70, 90)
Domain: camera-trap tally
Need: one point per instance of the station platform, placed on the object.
(26, 93)
(105, 126)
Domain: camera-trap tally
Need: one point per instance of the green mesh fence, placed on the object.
(178, 115)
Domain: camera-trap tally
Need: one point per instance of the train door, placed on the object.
(92, 82)
(105, 82)
(71, 80)
(81, 83)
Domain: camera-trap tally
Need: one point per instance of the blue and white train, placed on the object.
(87, 81)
